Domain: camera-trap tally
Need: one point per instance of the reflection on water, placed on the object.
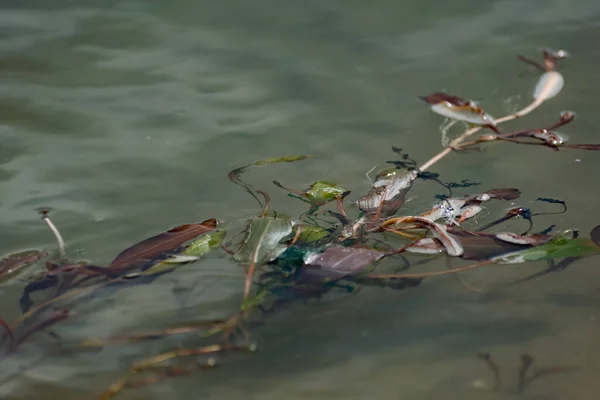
(124, 116)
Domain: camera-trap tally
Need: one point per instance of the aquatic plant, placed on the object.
(290, 260)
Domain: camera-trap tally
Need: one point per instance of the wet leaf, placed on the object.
(339, 261)
(192, 252)
(559, 247)
(312, 233)
(484, 247)
(504, 193)
(323, 192)
(319, 193)
(148, 251)
(426, 246)
(14, 264)
(438, 97)
(388, 192)
(458, 109)
(439, 232)
(535, 239)
(263, 240)
(549, 85)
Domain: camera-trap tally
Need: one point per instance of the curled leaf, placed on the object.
(426, 246)
(548, 86)
(535, 239)
(451, 245)
(438, 97)
(389, 191)
(458, 109)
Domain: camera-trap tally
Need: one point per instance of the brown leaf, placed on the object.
(152, 248)
(504, 193)
(483, 247)
(15, 262)
(438, 97)
(340, 261)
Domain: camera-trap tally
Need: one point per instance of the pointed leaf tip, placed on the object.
(143, 253)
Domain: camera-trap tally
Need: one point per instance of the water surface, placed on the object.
(125, 116)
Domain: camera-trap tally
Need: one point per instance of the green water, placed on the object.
(125, 116)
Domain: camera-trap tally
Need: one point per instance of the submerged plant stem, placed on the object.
(487, 358)
(156, 361)
(430, 274)
(9, 333)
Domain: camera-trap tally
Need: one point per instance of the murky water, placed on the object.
(125, 116)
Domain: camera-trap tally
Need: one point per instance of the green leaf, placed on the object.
(312, 234)
(204, 244)
(322, 192)
(262, 242)
(559, 247)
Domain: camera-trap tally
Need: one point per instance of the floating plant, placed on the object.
(289, 260)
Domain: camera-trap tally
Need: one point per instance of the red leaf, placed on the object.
(142, 253)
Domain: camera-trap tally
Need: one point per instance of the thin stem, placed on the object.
(267, 203)
(139, 337)
(430, 274)
(9, 333)
(58, 236)
(340, 206)
(526, 362)
(487, 358)
(461, 281)
(56, 317)
(531, 62)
